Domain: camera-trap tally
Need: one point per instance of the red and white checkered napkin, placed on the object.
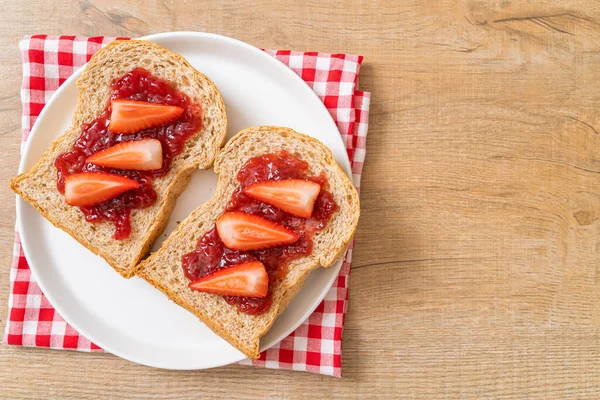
(316, 345)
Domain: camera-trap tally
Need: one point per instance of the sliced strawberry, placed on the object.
(129, 116)
(294, 196)
(241, 231)
(248, 280)
(141, 155)
(89, 188)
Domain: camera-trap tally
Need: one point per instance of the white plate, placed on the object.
(129, 318)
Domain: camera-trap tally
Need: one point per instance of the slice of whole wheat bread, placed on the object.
(38, 185)
(163, 268)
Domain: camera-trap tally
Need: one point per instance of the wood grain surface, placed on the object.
(476, 270)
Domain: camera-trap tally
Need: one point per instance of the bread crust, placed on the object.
(113, 61)
(163, 268)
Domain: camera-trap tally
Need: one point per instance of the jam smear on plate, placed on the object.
(141, 85)
(211, 254)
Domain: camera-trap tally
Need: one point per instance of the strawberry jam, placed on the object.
(138, 84)
(211, 254)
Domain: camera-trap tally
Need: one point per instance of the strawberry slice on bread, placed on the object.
(90, 188)
(140, 155)
(294, 196)
(130, 116)
(248, 280)
(164, 269)
(241, 231)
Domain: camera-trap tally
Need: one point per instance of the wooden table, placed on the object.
(477, 261)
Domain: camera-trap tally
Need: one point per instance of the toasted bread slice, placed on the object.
(163, 268)
(38, 185)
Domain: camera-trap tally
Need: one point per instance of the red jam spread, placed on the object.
(211, 254)
(138, 84)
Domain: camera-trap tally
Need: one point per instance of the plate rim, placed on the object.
(20, 203)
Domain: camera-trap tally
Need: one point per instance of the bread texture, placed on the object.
(38, 185)
(163, 268)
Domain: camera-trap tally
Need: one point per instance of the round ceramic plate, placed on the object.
(130, 318)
